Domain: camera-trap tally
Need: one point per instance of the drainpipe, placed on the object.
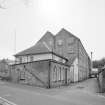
(78, 59)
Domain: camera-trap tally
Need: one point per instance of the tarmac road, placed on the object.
(82, 93)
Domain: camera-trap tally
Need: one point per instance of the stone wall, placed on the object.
(47, 73)
(33, 73)
(101, 81)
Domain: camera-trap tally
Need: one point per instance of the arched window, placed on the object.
(31, 58)
(60, 72)
(54, 74)
(63, 74)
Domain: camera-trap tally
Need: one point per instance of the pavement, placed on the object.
(82, 93)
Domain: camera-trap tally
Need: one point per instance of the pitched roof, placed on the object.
(66, 31)
(42, 46)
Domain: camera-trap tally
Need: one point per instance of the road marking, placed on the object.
(4, 101)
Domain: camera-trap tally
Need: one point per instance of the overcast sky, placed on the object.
(83, 18)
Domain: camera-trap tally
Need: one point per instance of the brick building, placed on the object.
(52, 61)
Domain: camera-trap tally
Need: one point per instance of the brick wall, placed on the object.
(58, 75)
(83, 63)
(71, 47)
(66, 45)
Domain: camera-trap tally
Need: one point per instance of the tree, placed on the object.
(99, 63)
(4, 3)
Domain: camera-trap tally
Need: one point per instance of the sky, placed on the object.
(21, 26)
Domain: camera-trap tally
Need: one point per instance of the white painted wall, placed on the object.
(72, 73)
(75, 63)
(39, 57)
(42, 57)
(57, 58)
(17, 60)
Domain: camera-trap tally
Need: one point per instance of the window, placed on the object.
(22, 75)
(71, 49)
(17, 60)
(54, 74)
(28, 58)
(31, 58)
(24, 59)
(20, 59)
(70, 41)
(60, 72)
(60, 42)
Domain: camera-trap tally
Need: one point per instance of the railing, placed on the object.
(6, 102)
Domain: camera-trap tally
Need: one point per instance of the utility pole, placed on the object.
(91, 61)
(14, 41)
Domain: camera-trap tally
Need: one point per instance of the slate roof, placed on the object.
(39, 48)
(42, 46)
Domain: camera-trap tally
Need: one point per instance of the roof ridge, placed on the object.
(65, 30)
(38, 46)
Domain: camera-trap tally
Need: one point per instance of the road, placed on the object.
(82, 93)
